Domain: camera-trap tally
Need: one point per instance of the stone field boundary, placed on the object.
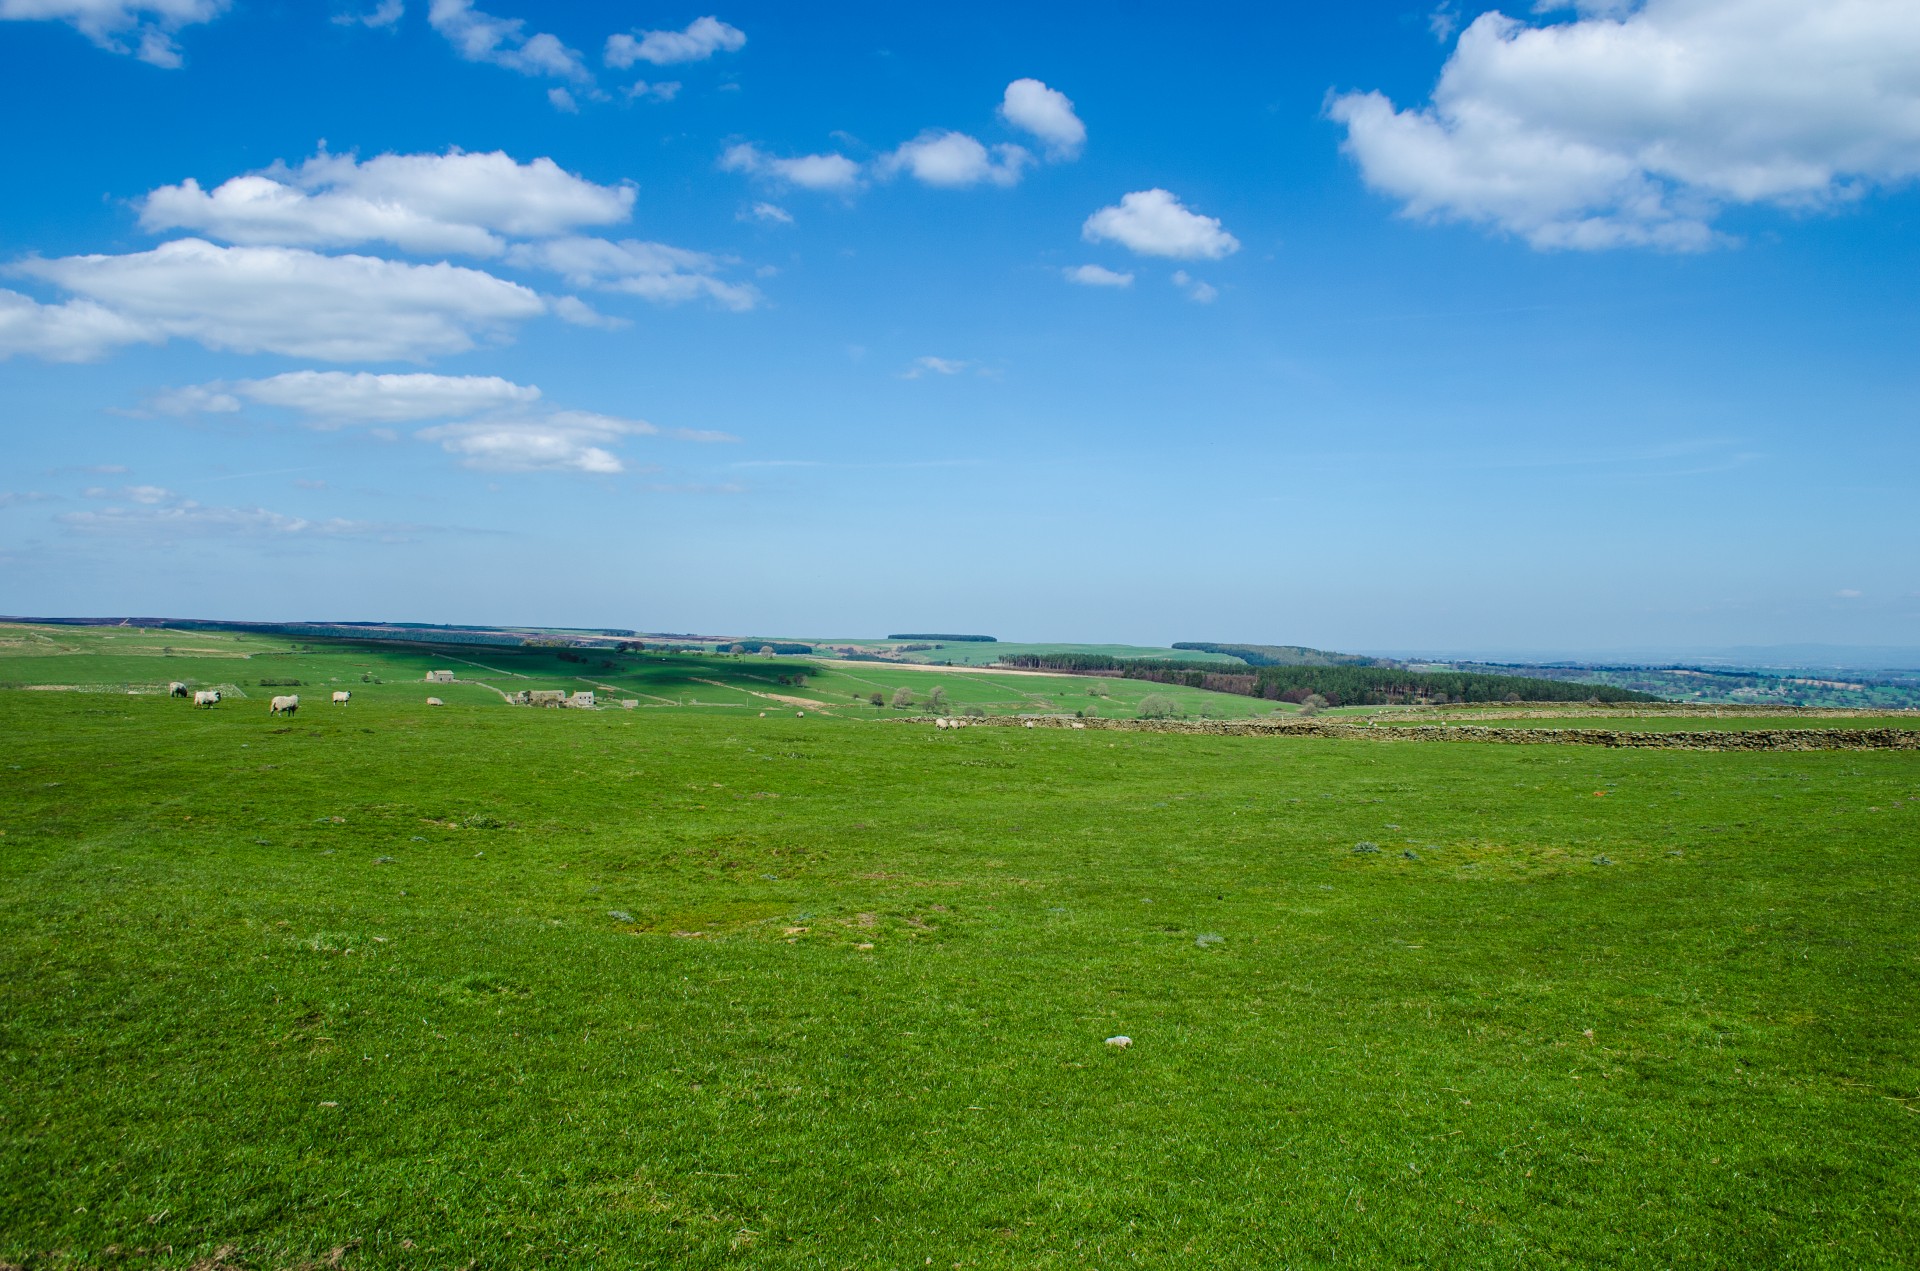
(1755, 739)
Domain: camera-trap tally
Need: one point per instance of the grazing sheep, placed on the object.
(940, 723)
(341, 697)
(207, 697)
(176, 689)
(284, 705)
(434, 701)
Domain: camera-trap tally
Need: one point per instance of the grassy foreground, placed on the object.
(619, 989)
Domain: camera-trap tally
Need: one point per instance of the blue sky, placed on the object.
(1365, 326)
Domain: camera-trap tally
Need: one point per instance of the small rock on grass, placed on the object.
(619, 915)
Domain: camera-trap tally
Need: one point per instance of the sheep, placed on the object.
(284, 705)
(176, 689)
(434, 701)
(207, 697)
(341, 697)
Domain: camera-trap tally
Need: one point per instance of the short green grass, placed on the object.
(494, 987)
(121, 659)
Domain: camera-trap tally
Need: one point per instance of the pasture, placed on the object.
(404, 987)
(124, 659)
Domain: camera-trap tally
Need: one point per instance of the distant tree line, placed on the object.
(1338, 685)
(960, 639)
(1279, 654)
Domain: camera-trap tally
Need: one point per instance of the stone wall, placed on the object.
(1751, 739)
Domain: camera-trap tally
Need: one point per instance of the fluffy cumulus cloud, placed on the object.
(653, 271)
(833, 172)
(1048, 114)
(1097, 276)
(279, 300)
(331, 399)
(482, 37)
(453, 202)
(144, 28)
(76, 331)
(702, 38)
(954, 160)
(1638, 124)
(493, 424)
(1155, 223)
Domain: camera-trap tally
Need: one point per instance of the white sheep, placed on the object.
(284, 705)
(176, 689)
(207, 698)
(434, 701)
(341, 697)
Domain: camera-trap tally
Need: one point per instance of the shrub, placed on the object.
(974, 710)
(937, 701)
(875, 698)
(275, 683)
(1158, 706)
(902, 698)
(1313, 704)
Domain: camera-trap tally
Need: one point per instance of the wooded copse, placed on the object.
(956, 639)
(1340, 685)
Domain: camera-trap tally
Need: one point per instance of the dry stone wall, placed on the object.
(1751, 739)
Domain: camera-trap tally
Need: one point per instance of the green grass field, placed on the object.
(499, 987)
(124, 660)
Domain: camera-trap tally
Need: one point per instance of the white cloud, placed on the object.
(664, 92)
(1197, 291)
(934, 365)
(14, 498)
(768, 212)
(481, 37)
(652, 271)
(565, 441)
(1097, 276)
(145, 494)
(1048, 114)
(1638, 125)
(954, 160)
(334, 398)
(1155, 223)
(457, 201)
(77, 331)
(494, 423)
(385, 14)
(702, 38)
(562, 100)
(1444, 20)
(161, 515)
(281, 300)
(809, 171)
(149, 24)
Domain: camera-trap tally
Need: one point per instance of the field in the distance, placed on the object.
(127, 659)
(538, 988)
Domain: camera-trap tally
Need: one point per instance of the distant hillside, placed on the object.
(1281, 654)
(1339, 685)
(962, 639)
